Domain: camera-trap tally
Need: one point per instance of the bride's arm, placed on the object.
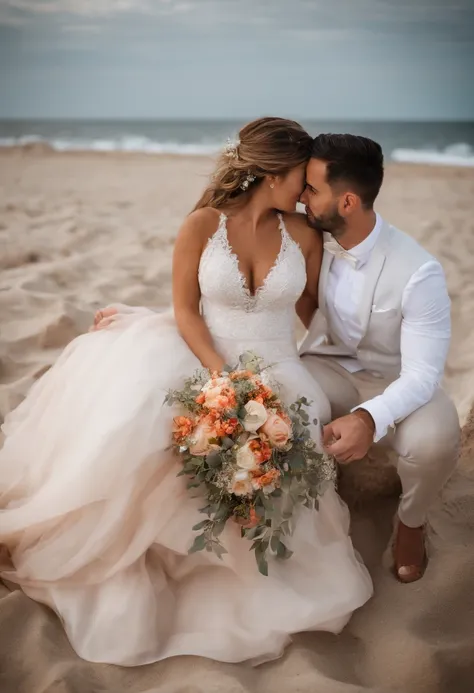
(189, 246)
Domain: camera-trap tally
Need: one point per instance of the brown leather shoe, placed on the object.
(409, 553)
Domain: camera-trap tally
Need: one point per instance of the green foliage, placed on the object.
(266, 514)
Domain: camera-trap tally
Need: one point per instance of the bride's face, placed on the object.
(288, 189)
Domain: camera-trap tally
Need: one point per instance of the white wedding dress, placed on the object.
(97, 523)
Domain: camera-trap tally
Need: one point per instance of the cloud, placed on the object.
(80, 29)
(10, 19)
(168, 57)
(82, 8)
(406, 17)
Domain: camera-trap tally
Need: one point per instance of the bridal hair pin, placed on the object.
(246, 182)
(231, 149)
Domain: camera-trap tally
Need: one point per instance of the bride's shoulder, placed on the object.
(200, 225)
(307, 238)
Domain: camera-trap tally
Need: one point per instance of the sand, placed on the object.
(80, 230)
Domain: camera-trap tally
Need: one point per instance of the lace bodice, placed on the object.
(232, 312)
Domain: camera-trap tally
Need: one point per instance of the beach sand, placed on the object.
(78, 231)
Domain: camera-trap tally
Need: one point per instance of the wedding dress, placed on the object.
(97, 523)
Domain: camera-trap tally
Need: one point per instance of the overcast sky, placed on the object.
(346, 59)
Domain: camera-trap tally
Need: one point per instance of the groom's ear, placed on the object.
(349, 202)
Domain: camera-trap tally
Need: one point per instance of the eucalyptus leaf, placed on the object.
(254, 532)
(198, 544)
(193, 484)
(283, 551)
(214, 460)
(222, 512)
(227, 443)
(262, 564)
(274, 542)
(218, 528)
(219, 550)
(296, 461)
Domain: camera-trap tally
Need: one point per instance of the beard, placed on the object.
(331, 222)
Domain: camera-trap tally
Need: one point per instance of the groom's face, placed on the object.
(320, 200)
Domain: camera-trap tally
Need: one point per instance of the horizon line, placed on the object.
(228, 119)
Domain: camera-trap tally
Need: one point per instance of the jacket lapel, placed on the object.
(373, 271)
(323, 275)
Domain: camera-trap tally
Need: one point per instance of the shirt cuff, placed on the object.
(381, 415)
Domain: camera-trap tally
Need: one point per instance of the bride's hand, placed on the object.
(113, 313)
(103, 318)
(216, 365)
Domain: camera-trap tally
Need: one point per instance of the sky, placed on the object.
(321, 59)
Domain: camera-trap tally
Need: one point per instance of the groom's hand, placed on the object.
(349, 438)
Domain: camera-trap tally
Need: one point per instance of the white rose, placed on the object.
(216, 382)
(241, 484)
(255, 416)
(245, 458)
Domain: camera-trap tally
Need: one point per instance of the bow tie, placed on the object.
(338, 251)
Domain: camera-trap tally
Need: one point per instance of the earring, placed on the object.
(272, 185)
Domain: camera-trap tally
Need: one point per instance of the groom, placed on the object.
(378, 343)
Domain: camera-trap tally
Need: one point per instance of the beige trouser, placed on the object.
(426, 441)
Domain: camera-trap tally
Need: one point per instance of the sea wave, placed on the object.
(460, 154)
(123, 144)
(455, 155)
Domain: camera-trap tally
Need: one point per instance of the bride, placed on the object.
(96, 523)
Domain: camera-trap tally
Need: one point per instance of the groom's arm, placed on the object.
(425, 337)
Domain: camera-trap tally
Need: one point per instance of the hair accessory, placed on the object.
(231, 148)
(247, 181)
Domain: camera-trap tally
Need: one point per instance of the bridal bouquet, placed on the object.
(252, 457)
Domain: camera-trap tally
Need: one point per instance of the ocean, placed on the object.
(450, 143)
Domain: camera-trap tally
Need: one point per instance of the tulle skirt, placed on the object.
(98, 525)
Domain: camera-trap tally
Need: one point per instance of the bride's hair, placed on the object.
(267, 146)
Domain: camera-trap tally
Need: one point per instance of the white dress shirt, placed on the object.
(425, 331)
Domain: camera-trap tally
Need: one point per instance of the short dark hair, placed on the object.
(352, 159)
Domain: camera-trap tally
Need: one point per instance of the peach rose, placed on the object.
(241, 484)
(218, 394)
(277, 430)
(200, 443)
(255, 416)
